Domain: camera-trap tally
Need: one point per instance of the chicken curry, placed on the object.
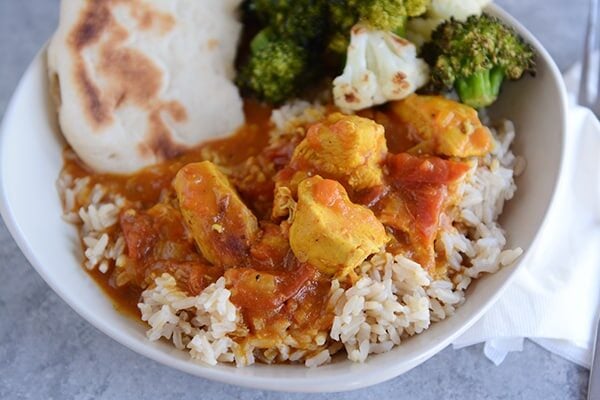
(280, 217)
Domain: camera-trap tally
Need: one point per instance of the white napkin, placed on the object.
(555, 298)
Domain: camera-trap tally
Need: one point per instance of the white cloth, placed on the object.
(555, 298)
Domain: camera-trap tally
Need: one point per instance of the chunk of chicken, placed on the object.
(222, 226)
(443, 127)
(346, 148)
(330, 232)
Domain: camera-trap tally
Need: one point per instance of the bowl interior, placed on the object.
(30, 160)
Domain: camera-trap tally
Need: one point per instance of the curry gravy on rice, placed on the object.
(282, 215)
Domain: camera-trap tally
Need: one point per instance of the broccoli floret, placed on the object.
(310, 30)
(384, 15)
(343, 16)
(415, 8)
(300, 20)
(476, 56)
(266, 10)
(390, 15)
(275, 69)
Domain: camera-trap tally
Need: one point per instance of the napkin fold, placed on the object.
(555, 297)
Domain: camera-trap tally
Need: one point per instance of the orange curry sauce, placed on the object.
(273, 289)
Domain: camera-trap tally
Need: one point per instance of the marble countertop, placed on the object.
(48, 352)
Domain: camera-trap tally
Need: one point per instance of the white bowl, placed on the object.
(30, 159)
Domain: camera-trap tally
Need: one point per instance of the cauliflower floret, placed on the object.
(380, 67)
(419, 29)
(458, 9)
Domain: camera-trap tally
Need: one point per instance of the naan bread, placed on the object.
(139, 81)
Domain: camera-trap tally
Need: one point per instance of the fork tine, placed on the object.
(585, 96)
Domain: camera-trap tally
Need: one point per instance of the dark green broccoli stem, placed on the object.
(261, 40)
(480, 89)
(400, 29)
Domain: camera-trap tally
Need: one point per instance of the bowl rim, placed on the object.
(305, 384)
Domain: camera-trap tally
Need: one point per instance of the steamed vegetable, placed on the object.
(390, 15)
(302, 21)
(275, 68)
(457, 9)
(476, 56)
(303, 30)
(419, 30)
(343, 16)
(385, 15)
(380, 67)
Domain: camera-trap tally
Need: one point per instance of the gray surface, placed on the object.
(49, 352)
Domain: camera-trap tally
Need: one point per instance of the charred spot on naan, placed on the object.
(159, 140)
(98, 16)
(212, 44)
(94, 20)
(150, 19)
(132, 75)
(134, 78)
(96, 109)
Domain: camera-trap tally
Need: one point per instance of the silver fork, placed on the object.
(590, 72)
